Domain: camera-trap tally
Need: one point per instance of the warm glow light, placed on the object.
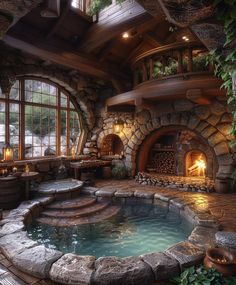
(73, 152)
(118, 126)
(185, 38)
(125, 35)
(7, 153)
(27, 169)
(199, 166)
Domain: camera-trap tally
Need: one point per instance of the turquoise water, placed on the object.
(137, 229)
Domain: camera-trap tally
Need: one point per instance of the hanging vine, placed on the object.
(97, 5)
(225, 58)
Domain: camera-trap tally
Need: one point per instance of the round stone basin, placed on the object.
(137, 229)
(61, 186)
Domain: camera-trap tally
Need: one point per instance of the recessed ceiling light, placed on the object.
(184, 37)
(125, 35)
(187, 39)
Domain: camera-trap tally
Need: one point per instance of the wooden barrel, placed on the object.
(106, 172)
(10, 192)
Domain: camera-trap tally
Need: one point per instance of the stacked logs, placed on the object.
(164, 162)
(176, 182)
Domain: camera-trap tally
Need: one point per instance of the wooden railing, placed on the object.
(169, 60)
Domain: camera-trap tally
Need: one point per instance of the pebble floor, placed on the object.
(221, 206)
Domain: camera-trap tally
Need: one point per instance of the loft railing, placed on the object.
(169, 60)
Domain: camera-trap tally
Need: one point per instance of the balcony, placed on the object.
(170, 72)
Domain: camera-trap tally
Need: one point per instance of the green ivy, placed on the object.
(224, 58)
(202, 276)
(97, 5)
(225, 65)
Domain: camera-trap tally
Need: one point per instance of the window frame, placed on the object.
(57, 107)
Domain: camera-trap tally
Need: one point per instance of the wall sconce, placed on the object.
(118, 126)
(7, 152)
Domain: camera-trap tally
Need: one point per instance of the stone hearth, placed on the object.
(182, 183)
(203, 129)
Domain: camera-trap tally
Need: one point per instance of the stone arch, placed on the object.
(106, 133)
(58, 77)
(111, 145)
(210, 134)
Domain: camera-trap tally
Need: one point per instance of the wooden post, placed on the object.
(180, 61)
(144, 71)
(190, 60)
(150, 68)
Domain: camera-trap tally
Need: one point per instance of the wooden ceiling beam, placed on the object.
(105, 51)
(68, 59)
(52, 9)
(59, 21)
(133, 52)
(119, 20)
(153, 39)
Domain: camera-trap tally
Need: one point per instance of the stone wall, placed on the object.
(211, 123)
(84, 91)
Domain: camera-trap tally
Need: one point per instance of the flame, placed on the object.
(199, 166)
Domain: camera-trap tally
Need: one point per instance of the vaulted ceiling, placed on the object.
(98, 49)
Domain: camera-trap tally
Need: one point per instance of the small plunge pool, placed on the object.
(137, 229)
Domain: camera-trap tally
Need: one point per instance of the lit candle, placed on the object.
(73, 152)
(14, 169)
(27, 168)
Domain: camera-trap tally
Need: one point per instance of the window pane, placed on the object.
(1, 94)
(63, 132)
(40, 111)
(72, 106)
(63, 100)
(14, 130)
(14, 93)
(74, 127)
(2, 127)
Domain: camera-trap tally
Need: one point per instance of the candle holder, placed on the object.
(7, 152)
(27, 169)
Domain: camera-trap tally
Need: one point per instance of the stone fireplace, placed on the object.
(168, 139)
(177, 151)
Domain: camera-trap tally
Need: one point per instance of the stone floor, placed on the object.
(221, 206)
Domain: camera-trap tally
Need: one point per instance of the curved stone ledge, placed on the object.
(58, 187)
(32, 258)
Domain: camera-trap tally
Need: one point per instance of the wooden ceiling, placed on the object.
(94, 48)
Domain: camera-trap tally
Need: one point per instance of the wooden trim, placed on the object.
(57, 107)
(165, 48)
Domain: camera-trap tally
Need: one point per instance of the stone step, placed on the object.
(81, 212)
(97, 217)
(77, 203)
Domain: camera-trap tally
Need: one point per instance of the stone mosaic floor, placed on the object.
(221, 207)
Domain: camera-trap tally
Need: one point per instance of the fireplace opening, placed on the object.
(112, 145)
(176, 152)
(162, 155)
(196, 164)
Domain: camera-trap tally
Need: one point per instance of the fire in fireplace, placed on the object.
(177, 152)
(196, 164)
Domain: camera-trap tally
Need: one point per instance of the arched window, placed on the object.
(38, 119)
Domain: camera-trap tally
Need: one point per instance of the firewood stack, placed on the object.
(164, 162)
